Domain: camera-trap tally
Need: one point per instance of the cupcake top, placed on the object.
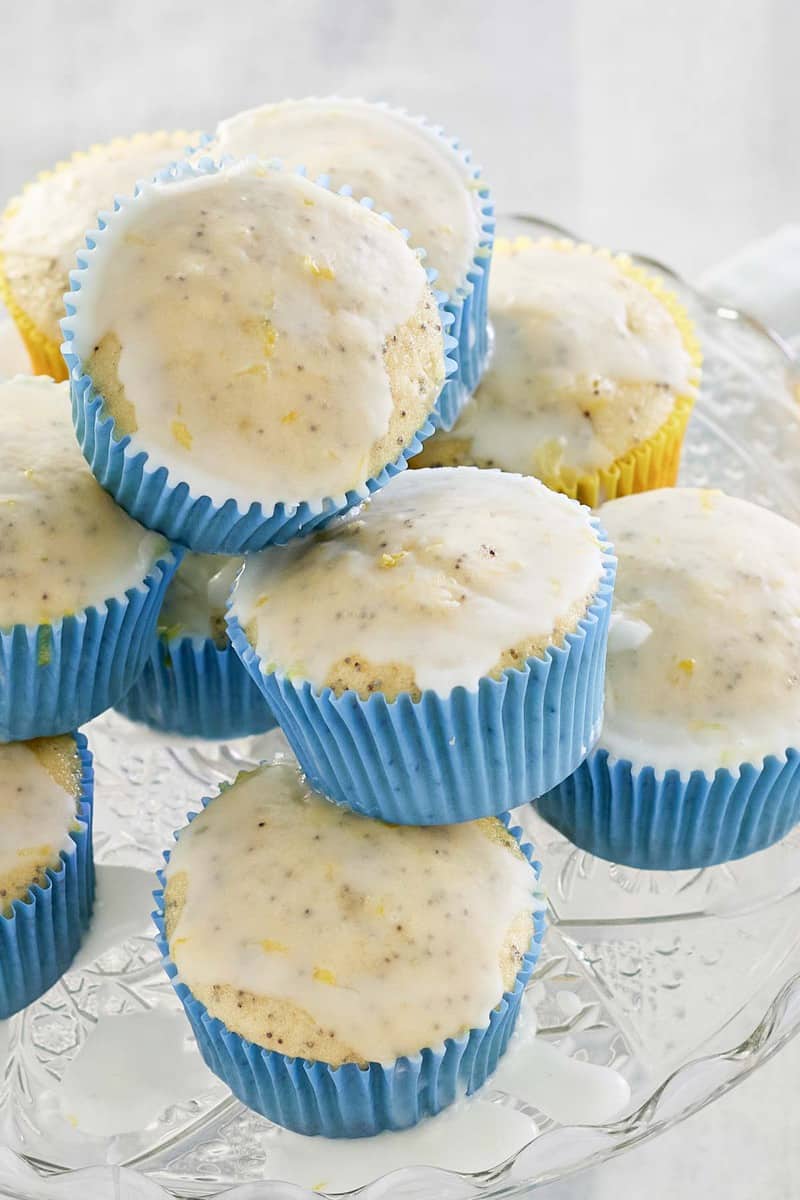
(444, 577)
(704, 648)
(39, 790)
(323, 934)
(64, 543)
(194, 605)
(409, 169)
(43, 229)
(306, 318)
(590, 358)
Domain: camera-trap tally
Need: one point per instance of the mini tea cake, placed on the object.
(344, 976)
(46, 863)
(39, 789)
(307, 318)
(386, 939)
(81, 583)
(592, 359)
(193, 683)
(438, 655)
(704, 648)
(407, 168)
(698, 761)
(64, 543)
(446, 577)
(43, 228)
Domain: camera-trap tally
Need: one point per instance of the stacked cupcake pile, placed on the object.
(254, 355)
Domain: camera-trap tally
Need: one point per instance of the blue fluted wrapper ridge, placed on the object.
(664, 822)
(54, 678)
(150, 493)
(351, 1101)
(192, 687)
(41, 936)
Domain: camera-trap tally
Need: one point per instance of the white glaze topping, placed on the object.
(37, 812)
(704, 649)
(409, 170)
(572, 330)
(64, 543)
(289, 896)
(197, 595)
(50, 219)
(441, 572)
(282, 298)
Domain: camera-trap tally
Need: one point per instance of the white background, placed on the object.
(669, 126)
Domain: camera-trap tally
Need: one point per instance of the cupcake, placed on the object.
(46, 864)
(438, 656)
(593, 378)
(193, 683)
(81, 584)
(42, 230)
(424, 180)
(289, 353)
(344, 976)
(698, 758)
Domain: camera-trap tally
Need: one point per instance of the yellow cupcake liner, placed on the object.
(43, 351)
(655, 461)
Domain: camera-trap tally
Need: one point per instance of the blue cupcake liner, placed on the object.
(445, 759)
(56, 677)
(152, 495)
(351, 1101)
(41, 935)
(192, 687)
(663, 822)
(469, 305)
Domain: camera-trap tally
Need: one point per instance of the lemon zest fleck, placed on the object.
(271, 946)
(180, 431)
(312, 266)
(391, 560)
(323, 975)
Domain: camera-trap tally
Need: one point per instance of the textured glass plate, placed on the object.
(682, 984)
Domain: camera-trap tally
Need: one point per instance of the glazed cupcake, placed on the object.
(698, 760)
(309, 322)
(46, 864)
(42, 230)
(193, 683)
(423, 179)
(344, 976)
(592, 382)
(439, 655)
(81, 584)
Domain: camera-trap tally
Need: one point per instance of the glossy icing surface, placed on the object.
(64, 543)
(408, 170)
(704, 648)
(47, 224)
(588, 363)
(429, 584)
(307, 318)
(291, 914)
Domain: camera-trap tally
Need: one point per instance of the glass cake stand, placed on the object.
(655, 993)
